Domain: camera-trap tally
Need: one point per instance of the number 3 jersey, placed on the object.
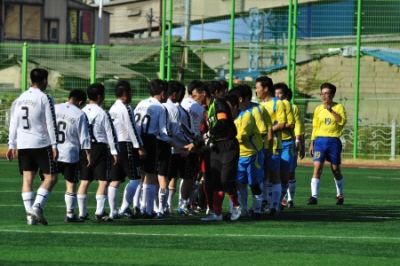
(151, 119)
(73, 133)
(33, 121)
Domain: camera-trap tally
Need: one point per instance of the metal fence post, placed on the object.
(93, 64)
(24, 66)
(393, 141)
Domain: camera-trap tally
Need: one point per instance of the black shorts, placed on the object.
(70, 171)
(224, 161)
(149, 164)
(33, 159)
(100, 164)
(183, 167)
(164, 157)
(128, 163)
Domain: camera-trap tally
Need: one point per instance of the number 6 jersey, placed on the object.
(33, 121)
(73, 133)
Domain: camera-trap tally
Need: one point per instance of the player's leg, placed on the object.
(335, 149)
(86, 178)
(320, 146)
(71, 176)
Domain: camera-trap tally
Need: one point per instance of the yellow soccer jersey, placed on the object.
(288, 134)
(248, 134)
(299, 128)
(276, 111)
(257, 112)
(324, 123)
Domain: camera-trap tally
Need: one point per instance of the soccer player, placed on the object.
(131, 151)
(251, 158)
(328, 122)
(103, 142)
(73, 135)
(33, 130)
(150, 117)
(288, 156)
(266, 93)
(224, 152)
(216, 88)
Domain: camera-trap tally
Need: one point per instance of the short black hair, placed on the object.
(289, 95)
(174, 86)
(157, 86)
(38, 75)
(266, 82)
(214, 86)
(94, 90)
(282, 86)
(203, 88)
(224, 84)
(239, 92)
(246, 90)
(79, 95)
(121, 87)
(231, 98)
(329, 86)
(192, 85)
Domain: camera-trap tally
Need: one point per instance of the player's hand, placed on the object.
(10, 155)
(189, 147)
(311, 151)
(115, 159)
(88, 159)
(142, 153)
(55, 154)
(302, 153)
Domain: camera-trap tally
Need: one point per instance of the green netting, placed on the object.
(325, 51)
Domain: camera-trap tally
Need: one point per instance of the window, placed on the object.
(22, 22)
(51, 30)
(80, 24)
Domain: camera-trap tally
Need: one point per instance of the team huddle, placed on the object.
(214, 141)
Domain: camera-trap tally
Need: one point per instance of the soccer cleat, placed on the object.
(116, 216)
(38, 214)
(244, 214)
(213, 217)
(192, 212)
(73, 219)
(284, 202)
(264, 206)
(209, 211)
(30, 220)
(290, 204)
(227, 216)
(236, 211)
(272, 212)
(339, 200)
(312, 201)
(183, 211)
(159, 216)
(200, 209)
(127, 213)
(168, 213)
(102, 218)
(85, 218)
(137, 213)
(147, 216)
(256, 216)
(281, 207)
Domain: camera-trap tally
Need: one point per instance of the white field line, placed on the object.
(201, 235)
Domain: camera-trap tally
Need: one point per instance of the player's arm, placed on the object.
(111, 136)
(12, 134)
(51, 125)
(129, 121)
(315, 126)
(281, 118)
(84, 136)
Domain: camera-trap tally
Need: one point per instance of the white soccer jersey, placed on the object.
(33, 121)
(101, 127)
(196, 111)
(150, 118)
(124, 123)
(73, 133)
(175, 125)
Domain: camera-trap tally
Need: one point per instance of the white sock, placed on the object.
(129, 193)
(113, 199)
(339, 186)
(82, 204)
(101, 204)
(161, 199)
(166, 199)
(155, 204)
(171, 196)
(28, 198)
(137, 197)
(276, 195)
(70, 201)
(148, 197)
(257, 202)
(180, 188)
(244, 194)
(292, 189)
(41, 197)
(315, 182)
(283, 192)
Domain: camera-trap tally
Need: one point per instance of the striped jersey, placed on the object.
(101, 127)
(73, 133)
(33, 122)
(123, 119)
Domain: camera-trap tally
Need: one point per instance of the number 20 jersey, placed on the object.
(33, 117)
(151, 119)
(73, 133)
